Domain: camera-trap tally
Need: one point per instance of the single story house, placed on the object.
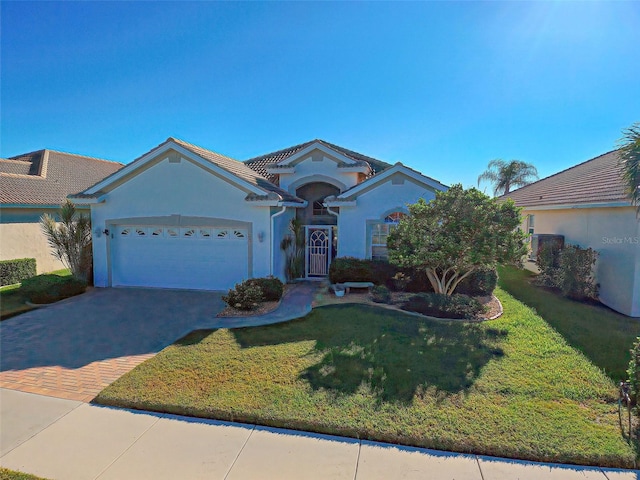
(35, 183)
(588, 205)
(181, 216)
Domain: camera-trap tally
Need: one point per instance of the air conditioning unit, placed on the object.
(540, 239)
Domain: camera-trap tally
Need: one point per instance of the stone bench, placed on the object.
(349, 285)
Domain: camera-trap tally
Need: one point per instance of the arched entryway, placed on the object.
(321, 231)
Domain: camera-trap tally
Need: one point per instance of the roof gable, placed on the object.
(230, 170)
(262, 162)
(398, 170)
(596, 181)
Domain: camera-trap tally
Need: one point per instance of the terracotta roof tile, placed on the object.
(260, 164)
(595, 181)
(47, 177)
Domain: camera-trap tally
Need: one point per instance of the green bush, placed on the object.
(482, 282)
(350, 269)
(444, 306)
(575, 275)
(569, 269)
(380, 294)
(633, 372)
(548, 261)
(245, 296)
(15, 271)
(48, 288)
(272, 288)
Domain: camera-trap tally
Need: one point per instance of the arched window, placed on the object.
(380, 232)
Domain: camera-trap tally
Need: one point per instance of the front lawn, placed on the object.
(600, 333)
(12, 300)
(509, 387)
(6, 474)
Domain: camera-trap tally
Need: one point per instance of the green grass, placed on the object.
(603, 335)
(6, 474)
(12, 301)
(509, 387)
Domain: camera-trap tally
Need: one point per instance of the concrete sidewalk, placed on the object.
(68, 440)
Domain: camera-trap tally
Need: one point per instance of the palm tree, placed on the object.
(70, 239)
(629, 161)
(505, 175)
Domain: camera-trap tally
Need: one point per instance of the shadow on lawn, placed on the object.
(395, 355)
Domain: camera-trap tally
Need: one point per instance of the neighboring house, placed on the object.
(181, 216)
(36, 183)
(587, 204)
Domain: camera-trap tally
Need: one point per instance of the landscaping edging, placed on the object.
(416, 314)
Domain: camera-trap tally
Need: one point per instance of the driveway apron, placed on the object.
(75, 348)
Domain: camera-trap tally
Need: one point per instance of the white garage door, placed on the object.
(204, 258)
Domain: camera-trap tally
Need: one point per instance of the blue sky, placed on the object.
(443, 87)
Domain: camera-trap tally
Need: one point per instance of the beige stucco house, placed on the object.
(587, 204)
(35, 183)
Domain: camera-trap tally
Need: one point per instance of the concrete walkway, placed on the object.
(71, 440)
(295, 304)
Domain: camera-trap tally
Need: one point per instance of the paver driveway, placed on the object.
(77, 347)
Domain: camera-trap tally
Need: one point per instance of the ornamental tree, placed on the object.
(70, 239)
(457, 233)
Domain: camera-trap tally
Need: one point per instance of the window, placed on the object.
(380, 233)
(531, 223)
(319, 208)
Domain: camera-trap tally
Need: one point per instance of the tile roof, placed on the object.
(259, 164)
(47, 177)
(595, 181)
(235, 167)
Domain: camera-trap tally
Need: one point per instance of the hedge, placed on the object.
(49, 288)
(15, 271)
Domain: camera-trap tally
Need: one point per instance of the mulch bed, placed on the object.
(263, 308)
(494, 308)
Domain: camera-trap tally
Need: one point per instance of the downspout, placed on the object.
(336, 214)
(271, 239)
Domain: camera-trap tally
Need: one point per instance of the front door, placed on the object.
(318, 254)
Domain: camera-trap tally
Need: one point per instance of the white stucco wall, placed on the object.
(25, 240)
(280, 229)
(615, 234)
(373, 206)
(180, 189)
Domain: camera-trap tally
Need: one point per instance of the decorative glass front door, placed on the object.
(318, 251)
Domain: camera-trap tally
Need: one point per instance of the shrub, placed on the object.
(444, 306)
(482, 282)
(569, 269)
(15, 271)
(548, 261)
(49, 288)
(245, 296)
(575, 276)
(634, 372)
(272, 288)
(350, 269)
(380, 294)
(418, 281)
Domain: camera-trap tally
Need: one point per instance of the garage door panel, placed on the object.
(185, 257)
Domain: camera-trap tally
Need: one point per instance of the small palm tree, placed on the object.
(505, 175)
(70, 239)
(629, 161)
